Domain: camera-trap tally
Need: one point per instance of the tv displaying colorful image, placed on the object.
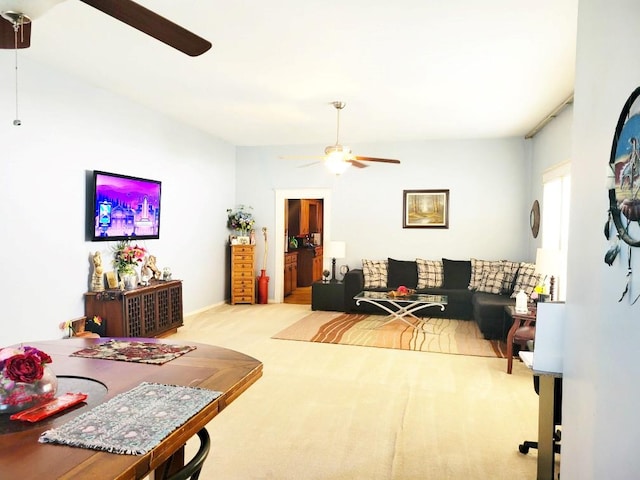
(125, 207)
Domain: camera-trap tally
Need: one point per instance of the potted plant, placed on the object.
(241, 221)
(126, 259)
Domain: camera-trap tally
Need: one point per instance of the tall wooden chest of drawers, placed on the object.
(243, 282)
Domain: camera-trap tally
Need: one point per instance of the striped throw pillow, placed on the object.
(526, 280)
(479, 268)
(430, 273)
(375, 273)
(491, 282)
(510, 273)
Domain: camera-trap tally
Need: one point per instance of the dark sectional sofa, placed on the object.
(486, 309)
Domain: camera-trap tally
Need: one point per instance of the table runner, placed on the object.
(141, 352)
(133, 422)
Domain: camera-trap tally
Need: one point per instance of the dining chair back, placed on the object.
(192, 469)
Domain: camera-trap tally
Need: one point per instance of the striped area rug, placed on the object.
(438, 335)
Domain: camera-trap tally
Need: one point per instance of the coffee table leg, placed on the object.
(402, 311)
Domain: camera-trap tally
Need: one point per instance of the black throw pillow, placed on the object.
(457, 273)
(402, 272)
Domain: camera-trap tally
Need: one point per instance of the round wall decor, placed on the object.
(624, 175)
(534, 218)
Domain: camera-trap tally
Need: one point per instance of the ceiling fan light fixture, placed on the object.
(336, 160)
(16, 19)
(29, 9)
(341, 150)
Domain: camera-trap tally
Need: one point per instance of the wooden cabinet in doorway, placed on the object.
(290, 272)
(298, 218)
(317, 265)
(309, 266)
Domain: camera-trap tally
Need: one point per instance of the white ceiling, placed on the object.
(407, 69)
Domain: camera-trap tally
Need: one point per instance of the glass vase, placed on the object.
(17, 396)
(130, 281)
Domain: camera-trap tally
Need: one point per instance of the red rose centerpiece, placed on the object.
(402, 291)
(25, 378)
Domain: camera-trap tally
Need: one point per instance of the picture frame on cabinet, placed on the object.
(112, 279)
(425, 209)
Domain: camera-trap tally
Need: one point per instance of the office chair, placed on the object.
(192, 469)
(557, 417)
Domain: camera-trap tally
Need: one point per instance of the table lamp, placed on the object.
(336, 250)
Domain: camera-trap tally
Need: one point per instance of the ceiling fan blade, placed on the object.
(309, 164)
(300, 157)
(7, 39)
(153, 24)
(372, 159)
(357, 164)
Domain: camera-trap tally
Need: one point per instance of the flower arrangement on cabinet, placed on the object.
(22, 369)
(126, 257)
(240, 220)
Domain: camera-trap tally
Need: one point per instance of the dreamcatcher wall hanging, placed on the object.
(623, 184)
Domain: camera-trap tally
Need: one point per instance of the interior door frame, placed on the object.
(281, 196)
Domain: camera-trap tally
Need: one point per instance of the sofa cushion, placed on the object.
(375, 273)
(491, 281)
(458, 306)
(457, 273)
(510, 270)
(489, 314)
(402, 272)
(430, 274)
(526, 280)
(478, 270)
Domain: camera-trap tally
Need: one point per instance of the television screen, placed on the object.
(125, 207)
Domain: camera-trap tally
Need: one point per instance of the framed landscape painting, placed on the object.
(425, 209)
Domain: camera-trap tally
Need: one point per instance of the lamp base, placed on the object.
(333, 271)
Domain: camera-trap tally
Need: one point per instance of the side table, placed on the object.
(327, 296)
(519, 320)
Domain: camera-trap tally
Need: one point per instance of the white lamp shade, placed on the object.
(552, 263)
(337, 250)
(548, 262)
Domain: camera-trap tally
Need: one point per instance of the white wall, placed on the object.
(551, 146)
(69, 128)
(600, 416)
(487, 180)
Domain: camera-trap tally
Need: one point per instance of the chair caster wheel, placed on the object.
(523, 449)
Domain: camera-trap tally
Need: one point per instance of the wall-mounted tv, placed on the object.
(124, 207)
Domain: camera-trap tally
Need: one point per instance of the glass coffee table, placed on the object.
(405, 306)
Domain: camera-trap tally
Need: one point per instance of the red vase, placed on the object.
(263, 287)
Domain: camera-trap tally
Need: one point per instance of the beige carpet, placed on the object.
(340, 412)
(437, 335)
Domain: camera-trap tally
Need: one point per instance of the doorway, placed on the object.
(281, 196)
(304, 256)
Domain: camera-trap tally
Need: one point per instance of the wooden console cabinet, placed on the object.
(151, 311)
(243, 282)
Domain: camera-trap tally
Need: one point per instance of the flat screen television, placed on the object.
(124, 207)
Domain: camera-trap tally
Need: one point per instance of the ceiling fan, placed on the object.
(15, 29)
(337, 158)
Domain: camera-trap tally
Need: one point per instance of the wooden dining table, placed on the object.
(211, 367)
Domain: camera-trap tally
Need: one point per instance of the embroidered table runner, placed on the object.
(142, 352)
(133, 422)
